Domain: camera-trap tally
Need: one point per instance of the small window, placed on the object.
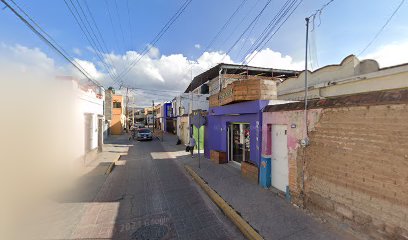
(117, 105)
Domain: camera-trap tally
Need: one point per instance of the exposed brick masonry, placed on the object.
(245, 90)
(357, 167)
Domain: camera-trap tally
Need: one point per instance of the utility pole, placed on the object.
(306, 86)
(198, 146)
(127, 109)
(133, 115)
(153, 114)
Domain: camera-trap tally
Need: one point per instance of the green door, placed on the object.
(195, 135)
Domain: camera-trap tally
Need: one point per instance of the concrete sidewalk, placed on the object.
(268, 213)
(63, 216)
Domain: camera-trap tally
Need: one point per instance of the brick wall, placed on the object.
(245, 90)
(357, 168)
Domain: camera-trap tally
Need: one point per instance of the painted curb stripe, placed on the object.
(241, 224)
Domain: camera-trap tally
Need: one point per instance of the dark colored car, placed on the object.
(144, 134)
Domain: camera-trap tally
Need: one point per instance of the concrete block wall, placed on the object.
(357, 168)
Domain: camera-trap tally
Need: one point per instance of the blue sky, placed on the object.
(346, 27)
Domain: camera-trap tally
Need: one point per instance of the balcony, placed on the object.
(245, 90)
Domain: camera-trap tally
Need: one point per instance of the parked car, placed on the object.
(144, 134)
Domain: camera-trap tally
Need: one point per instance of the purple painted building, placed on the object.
(237, 130)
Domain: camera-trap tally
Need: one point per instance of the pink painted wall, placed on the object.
(294, 136)
(287, 118)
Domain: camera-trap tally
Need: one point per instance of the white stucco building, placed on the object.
(88, 118)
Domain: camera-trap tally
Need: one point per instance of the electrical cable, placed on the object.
(86, 32)
(101, 49)
(131, 34)
(225, 25)
(262, 35)
(155, 40)
(382, 28)
(113, 28)
(48, 42)
(155, 90)
(246, 29)
(240, 23)
(101, 37)
(120, 22)
(43, 31)
(108, 66)
(249, 35)
(263, 42)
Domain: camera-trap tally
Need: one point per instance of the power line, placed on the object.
(382, 28)
(225, 25)
(270, 34)
(268, 29)
(313, 50)
(311, 47)
(101, 49)
(130, 22)
(120, 21)
(48, 42)
(249, 35)
(108, 67)
(241, 23)
(101, 37)
(113, 30)
(319, 11)
(41, 29)
(155, 90)
(81, 23)
(156, 39)
(246, 29)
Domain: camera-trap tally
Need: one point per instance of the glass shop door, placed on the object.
(239, 143)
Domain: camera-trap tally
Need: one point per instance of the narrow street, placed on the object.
(147, 197)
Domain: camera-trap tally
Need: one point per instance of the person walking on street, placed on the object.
(191, 145)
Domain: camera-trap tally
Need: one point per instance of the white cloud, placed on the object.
(153, 71)
(33, 61)
(271, 59)
(23, 59)
(390, 54)
(77, 51)
(209, 59)
(89, 68)
(198, 46)
(153, 52)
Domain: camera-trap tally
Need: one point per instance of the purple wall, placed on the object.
(218, 119)
(166, 115)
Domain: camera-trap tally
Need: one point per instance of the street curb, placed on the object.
(246, 229)
(112, 165)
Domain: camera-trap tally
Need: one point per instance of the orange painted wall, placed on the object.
(116, 124)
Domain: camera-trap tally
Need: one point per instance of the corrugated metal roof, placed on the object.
(235, 69)
(362, 99)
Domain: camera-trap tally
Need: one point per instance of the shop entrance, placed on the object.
(238, 142)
